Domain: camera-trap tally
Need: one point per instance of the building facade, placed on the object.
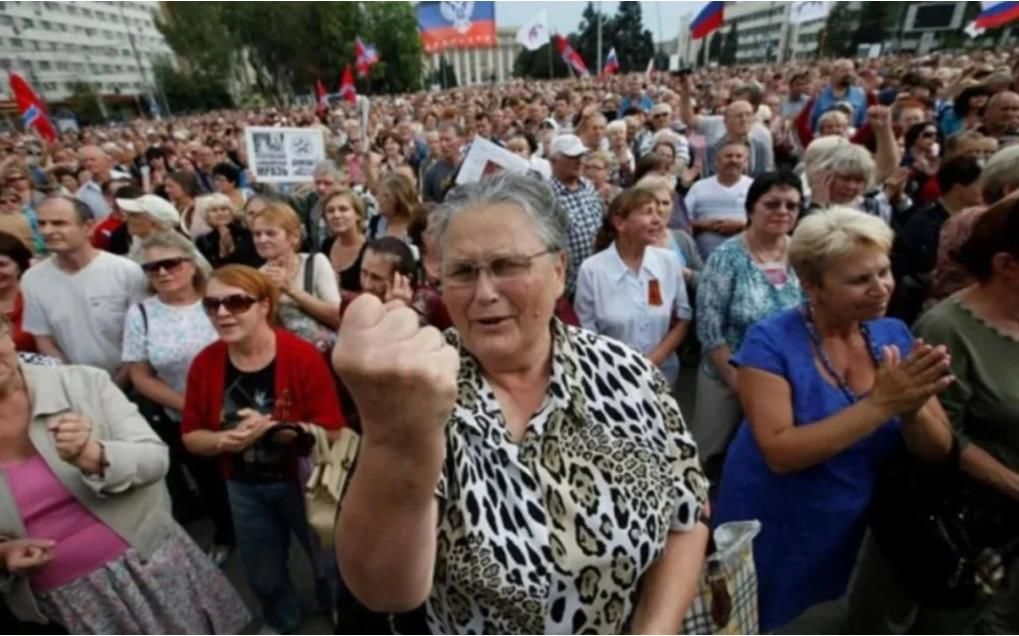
(110, 45)
(477, 66)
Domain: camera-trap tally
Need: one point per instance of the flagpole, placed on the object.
(599, 38)
(550, 58)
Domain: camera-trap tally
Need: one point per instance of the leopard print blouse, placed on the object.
(552, 535)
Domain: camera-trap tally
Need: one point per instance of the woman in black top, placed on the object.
(229, 242)
(344, 214)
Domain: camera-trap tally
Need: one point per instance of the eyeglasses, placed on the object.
(235, 304)
(166, 264)
(776, 204)
(500, 269)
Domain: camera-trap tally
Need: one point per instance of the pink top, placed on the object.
(83, 542)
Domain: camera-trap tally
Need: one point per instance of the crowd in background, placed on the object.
(830, 249)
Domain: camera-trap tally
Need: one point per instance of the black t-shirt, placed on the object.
(254, 390)
(350, 278)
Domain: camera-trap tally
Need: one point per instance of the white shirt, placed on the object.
(84, 311)
(91, 194)
(614, 301)
(709, 199)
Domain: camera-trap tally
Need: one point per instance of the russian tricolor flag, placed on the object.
(611, 66)
(996, 14)
(710, 18)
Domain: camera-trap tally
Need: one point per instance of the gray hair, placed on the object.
(207, 202)
(1000, 175)
(174, 241)
(849, 159)
(532, 195)
(327, 168)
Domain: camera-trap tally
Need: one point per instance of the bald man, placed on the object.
(714, 127)
(1001, 118)
(100, 165)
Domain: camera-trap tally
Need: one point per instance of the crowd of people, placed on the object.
(824, 255)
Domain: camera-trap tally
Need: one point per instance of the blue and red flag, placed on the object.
(463, 25)
(321, 99)
(32, 109)
(611, 66)
(366, 56)
(709, 19)
(570, 56)
(996, 14)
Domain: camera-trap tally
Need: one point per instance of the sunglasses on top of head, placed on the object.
(235, 304)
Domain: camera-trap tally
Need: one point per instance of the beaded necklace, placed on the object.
(815, 339)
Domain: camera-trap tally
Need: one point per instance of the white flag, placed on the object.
(974, 31)
(807, 12)
(535, 33)
(650, 66)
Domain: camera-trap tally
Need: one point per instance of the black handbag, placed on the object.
(936, 526)
(269, 459)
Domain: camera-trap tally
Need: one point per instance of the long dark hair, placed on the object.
(621, 207)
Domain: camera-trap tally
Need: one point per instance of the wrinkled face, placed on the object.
(834, 125)
(432, 138)
(505, 309)
(776, 211)
(95, 160)
(856, 286)
(739, 117)
(846, 188)
(596, 170)
(232, 321)
(60, 228)
(324, 183)
(271, 241)
(642, 226)
(168, 269)
(617, 137)
(141, 225)
(376, 274)
(1003, 111)
(341, 215)
(732, 160)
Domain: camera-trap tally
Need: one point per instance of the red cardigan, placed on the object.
(305, 390)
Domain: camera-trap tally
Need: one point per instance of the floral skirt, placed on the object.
(179, 590)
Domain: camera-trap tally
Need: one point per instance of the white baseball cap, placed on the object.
(569, 145)
(154, 206)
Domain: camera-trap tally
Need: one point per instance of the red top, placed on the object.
(102, 232)
(305, 390)
(23, 341)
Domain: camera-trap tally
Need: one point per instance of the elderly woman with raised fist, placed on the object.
(533, 477)
(86, 537)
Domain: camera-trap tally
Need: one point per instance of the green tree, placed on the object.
(878, 22)
(715, 47)
(393, 28)
(534, 64)
(84, 103)
(186, 92)
(730, 44)
(634, 44)
(702, 53)
(587, 36)
(835, 40)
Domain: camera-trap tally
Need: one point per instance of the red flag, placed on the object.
(347, 90)
(570, 56)
(366, 57)
(322, 99)
(611, 66)
(32, 109)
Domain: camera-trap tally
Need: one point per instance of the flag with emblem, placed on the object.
(570, 56)
(461, 25)
(31, 108)
(366, 56)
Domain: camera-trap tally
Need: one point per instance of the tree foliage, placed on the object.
(535, 64)
(287, 46)
(187, 92)
(837, 36)
(730, 45)
(84, 103)
(878, 22)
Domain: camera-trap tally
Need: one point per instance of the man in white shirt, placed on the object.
(100, 165)
(75, 302)
(716, 205)
(715, 127)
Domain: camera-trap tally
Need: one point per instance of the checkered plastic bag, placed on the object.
(726, 601)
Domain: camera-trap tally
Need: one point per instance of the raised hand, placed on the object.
(403, 377)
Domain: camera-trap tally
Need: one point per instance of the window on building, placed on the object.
(86, 13)
(26, 23)
(46, 25)
(17, 43)
(71, 9)
(6, 20)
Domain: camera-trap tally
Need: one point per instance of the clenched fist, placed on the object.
(403, 377)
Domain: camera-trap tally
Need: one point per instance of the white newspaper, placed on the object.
(485, 157)
(284, 155)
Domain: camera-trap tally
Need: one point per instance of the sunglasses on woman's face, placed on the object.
(235, 304)
(777, 204)
(166, 264)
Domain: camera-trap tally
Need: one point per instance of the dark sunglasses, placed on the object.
(167, 264)
(776, 204)
(929, 133)
(235, 304)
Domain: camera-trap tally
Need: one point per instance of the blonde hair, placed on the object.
(845, 159)
(282, 216)
(1000, 174)
(207, 202)
(615, 124)
(655, 182)
(829, 234)
(820, 149)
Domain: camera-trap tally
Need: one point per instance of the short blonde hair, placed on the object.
(819, 150)
(829, 234)
(1000, 175)
(207, 202)
(615, 124)
(654, 182)
(848, 159)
